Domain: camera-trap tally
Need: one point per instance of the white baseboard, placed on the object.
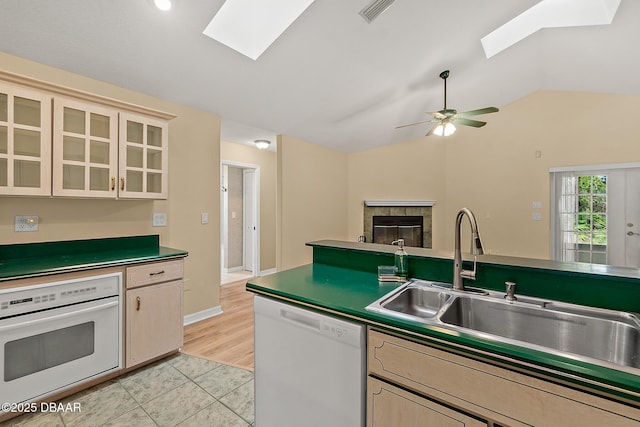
(267, 272)
(201, 315)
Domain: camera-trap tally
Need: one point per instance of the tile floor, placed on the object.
(181, 390)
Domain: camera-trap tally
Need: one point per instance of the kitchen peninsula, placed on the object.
(440, 374)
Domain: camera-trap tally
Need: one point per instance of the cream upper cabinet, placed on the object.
(85, 149)
(25, 141)
(143, 157)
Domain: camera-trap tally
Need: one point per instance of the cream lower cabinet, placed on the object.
(411, 384)
(388, 405)
(154, 319)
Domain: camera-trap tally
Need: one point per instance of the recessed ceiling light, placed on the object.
(250, 26)
(163, 4)
(549, 14)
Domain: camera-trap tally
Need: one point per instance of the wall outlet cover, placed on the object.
(26, 223)
(159, 220)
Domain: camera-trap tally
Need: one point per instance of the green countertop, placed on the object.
(40, 259)
(347, 292)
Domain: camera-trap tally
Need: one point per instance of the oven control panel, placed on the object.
(50, 295)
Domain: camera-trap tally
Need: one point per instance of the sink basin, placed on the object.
(416, 300)
(593, 333)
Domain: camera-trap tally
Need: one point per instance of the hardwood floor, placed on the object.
(228, 337)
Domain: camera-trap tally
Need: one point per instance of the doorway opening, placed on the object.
(239, 225)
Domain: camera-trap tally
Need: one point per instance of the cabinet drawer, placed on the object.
(498, 394)
(392, 406)
(156, 272)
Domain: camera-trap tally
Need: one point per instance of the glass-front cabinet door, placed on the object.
(143, 157)
(25, 141)
(85, 149)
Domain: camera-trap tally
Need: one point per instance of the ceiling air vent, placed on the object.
(375, 9)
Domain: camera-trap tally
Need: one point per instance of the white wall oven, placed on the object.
(57, 335)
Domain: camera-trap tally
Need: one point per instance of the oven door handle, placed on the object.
(55, 317)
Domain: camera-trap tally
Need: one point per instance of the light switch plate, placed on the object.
(204, 218)
(26, 223)
(159, 219)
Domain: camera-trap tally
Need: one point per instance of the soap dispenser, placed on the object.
(401, 258)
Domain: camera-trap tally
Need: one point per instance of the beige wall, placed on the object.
(194, 162)
(494, 171)
(266, 161)
(312, 198)
(235, 217)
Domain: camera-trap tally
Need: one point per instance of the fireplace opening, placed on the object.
(386, 229)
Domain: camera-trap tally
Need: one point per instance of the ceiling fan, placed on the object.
(446, 117)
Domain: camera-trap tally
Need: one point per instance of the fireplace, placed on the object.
(389, 220)
(386, 229)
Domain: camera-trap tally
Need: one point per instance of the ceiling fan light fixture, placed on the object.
(262, 144)
(444, 129)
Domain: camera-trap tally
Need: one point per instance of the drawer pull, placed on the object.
(138, 300)
(157, 273)
(122, 183)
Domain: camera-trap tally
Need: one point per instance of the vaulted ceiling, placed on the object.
(331, 78)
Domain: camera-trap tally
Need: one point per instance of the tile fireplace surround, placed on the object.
(399, 208)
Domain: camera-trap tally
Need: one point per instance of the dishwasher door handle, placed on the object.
(300, 318)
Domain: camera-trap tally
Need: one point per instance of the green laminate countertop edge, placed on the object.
(347, 292)
(42, 259)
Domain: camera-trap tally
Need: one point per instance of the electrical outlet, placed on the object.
(26, 223)
(159, 220)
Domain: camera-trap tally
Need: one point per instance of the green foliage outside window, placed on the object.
(591, 221)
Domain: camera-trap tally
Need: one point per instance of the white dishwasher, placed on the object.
(310, 369)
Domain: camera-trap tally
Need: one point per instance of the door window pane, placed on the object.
(73, 177)
(74, 121)
(134, 132)
(154, 159)
(26, 173)
(134, 181)
(154, 136)
(26, 143)
(99, 125)
(4, 110)
(26, 111)
(99, 179)
(134, 156)
(99, 152)
(4, 173)
(154, 182)
(73, 149)
(3, 140)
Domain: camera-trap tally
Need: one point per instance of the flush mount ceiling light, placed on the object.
(163, 4)
(262, 143)
(549, 14)
(250, 26)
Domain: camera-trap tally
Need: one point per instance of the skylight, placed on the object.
(251, 26)
(549, 14)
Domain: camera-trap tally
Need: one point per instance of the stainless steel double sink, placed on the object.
(604, 337)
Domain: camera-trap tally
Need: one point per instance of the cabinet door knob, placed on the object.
(138, 303)
(122, 183)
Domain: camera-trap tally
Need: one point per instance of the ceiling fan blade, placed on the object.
(431, 130)
(479, 111)
(413, 124)
(469, 122)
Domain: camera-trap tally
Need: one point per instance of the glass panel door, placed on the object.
(143, 158)
(85, 149)
(25, 141)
